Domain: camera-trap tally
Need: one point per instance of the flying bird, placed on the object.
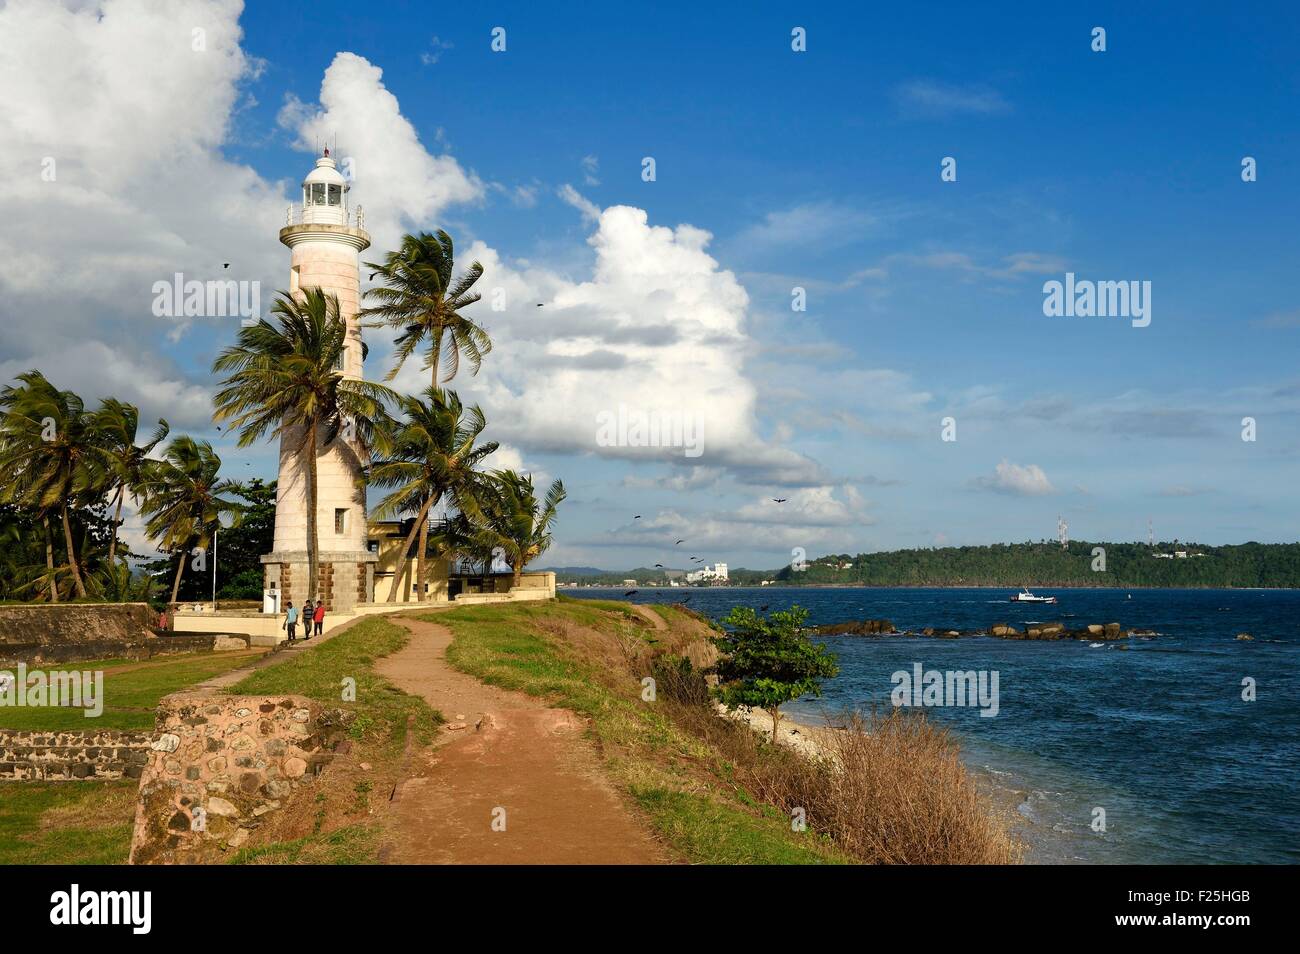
(637, 517)
(226, 265)
(540, 304)
(630, 593)
(780, 499)
(679, 542)
(659, 566)
(763, 608)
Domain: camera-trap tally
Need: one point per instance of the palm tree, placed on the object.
(287, 381)
(514, 522)
(183, 502)
(419, 298)
(433, 458)
(117, 423)
(48, 455)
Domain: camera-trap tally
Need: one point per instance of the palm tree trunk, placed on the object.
(72, 555)
(49, 559)
(180, 568)
(117, 522)
(776, 717)
(313, 539)
(406, 548)
(435, 353)
(519, 575)
(421, 571)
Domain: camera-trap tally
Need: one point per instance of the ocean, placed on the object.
(1158, 736)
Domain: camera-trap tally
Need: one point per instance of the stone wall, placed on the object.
(68, 627)
(60, 756)
(48, 654)
(219, 764)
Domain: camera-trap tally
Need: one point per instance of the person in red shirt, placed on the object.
(318, 618)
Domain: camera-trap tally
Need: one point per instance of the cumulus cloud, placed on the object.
(1023, 481)
(401, 185)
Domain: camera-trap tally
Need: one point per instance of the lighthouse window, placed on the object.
(336, 195)
(318, 193)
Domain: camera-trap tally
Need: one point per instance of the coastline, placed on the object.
(801, 732)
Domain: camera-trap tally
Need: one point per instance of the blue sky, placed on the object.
(821, 170)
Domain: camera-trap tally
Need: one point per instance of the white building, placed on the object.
(708, 574)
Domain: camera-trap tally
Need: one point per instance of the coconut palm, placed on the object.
(48, 459)
(433, 459)
(183, 502)
(117, 423)
(514, 522)
(420, 298)
(286, 380)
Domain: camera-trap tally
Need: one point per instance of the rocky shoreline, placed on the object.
(1092, 632)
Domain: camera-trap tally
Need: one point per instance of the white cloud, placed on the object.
(400, 184)
(1024, 481)
(590, 210)
(932, 98)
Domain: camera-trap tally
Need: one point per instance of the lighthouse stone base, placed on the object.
(343, 580)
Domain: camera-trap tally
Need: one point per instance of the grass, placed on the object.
(570, 653)
(382, 710)
(350, 845)
(66, 823)
(129, 697)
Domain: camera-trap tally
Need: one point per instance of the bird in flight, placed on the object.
(630, 593)
(780, 499)
(540, 304)
(679, 542)
(659, 566)
(763, 608)
(226, 265)
(637, 517)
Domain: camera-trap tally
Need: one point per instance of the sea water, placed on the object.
(1158, 736)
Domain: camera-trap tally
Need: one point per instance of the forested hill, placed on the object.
(1017, 564)
(1048, 564)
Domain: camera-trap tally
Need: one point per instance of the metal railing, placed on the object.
(325, 215)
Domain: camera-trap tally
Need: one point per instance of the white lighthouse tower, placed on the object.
(325, 237)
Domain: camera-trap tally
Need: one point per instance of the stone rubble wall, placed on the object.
(219, 763)
(35, 756)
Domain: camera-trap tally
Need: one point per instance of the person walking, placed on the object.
(319, 618)
(308, 609)
(291, 621)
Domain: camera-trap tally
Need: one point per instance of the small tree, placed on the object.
(767, 661)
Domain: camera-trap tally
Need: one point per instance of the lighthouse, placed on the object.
(324, 236)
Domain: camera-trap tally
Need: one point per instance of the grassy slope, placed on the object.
(671, 775)
(129, 697)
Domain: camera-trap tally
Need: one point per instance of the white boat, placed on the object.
(1024, 596)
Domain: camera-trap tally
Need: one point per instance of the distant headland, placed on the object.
(1079, 563)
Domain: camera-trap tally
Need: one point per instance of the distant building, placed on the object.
(629, 582)
(708, 574)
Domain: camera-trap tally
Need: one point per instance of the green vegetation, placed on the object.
(582, 655)
(767, 661)
(382, 710)
(130, 696)
(66, 823)
(350, 845)
(1017, 564)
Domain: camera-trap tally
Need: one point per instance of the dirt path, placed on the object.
(513, 760)
(649, 615)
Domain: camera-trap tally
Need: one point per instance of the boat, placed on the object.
(1024, 596)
